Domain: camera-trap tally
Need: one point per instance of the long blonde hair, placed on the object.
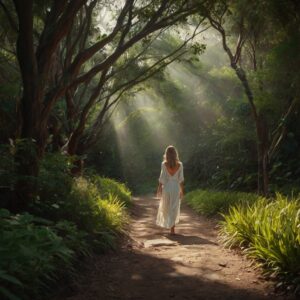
(171, 156)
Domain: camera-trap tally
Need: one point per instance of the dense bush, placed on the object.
(94, 203)
(210, 202)
(270, 232)
(107, 187)
(101, 217)
(55, 180)
(33, 251)
(7, 174)
(86, 214)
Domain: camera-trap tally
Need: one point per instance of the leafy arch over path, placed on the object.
(61, 60)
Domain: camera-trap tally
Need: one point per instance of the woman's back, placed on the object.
(172, 170)
(172, 173)
(171, 189)
(168, 173)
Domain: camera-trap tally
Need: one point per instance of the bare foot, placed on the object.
(172, 230)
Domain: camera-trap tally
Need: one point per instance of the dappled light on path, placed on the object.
(155, 265)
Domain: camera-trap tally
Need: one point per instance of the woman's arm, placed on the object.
(181, 190)
(159, 190)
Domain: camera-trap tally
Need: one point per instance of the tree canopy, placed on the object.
(71, 70)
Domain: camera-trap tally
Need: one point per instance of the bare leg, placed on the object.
(173, 229)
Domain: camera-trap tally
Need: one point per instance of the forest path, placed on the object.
(154, 265)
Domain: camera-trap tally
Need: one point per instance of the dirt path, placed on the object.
(155, 265)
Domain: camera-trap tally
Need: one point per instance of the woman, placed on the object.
(170, 190)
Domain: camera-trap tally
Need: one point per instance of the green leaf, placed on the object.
(8, 294)
(11, 279)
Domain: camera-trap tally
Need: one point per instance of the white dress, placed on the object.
(169, 206)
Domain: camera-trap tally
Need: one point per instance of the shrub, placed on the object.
(55, 180)
(102, 218)
(270, 232)
(32, 251)
(107, 187)
(86, 214)
(210, 202)
(8, 175)
(95, 204)
(7, 166)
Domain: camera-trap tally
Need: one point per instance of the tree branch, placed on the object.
(11, 20)
(279, 132)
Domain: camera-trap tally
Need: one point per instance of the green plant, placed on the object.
(108, 186)
(211, 202)
(55, 181)
(7, 166)
(102, 218)
(269, 230)
(33, 251)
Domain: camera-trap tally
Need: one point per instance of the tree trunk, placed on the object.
(77, 169)
(26, 188)
(260, 126)
(74, 140)
(74, 150)
(26, 155)
(261, 134)
(263, 154)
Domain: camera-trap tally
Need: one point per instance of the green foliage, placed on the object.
(95, 204)
(33, 251)
(7, 167)
(210, 202)
(102, 218)
(269, 230)
(55, 181)
(93, 212)
(84, 218)
(54, 185)
(111, 188)
(198, 48)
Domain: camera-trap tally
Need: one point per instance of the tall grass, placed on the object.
(269, 230)
(209, 202)
(108, 187)
(103, 218)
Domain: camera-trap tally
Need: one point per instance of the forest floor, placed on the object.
(151, 264)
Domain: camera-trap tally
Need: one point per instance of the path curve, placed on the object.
(153, 265)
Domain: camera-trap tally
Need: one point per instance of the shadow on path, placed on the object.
(189, 240)
(153, 265)
(139, 276)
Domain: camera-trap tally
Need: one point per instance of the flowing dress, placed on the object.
(169, 206)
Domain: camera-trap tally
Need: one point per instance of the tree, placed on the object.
(44, 30)
(246, 21)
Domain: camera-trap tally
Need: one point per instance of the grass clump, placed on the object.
(269, 230)
(103, 218)
(209, 202)
(109, 187)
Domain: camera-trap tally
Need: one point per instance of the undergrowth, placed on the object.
(70, 219)
(267, 230)
(209, 202)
